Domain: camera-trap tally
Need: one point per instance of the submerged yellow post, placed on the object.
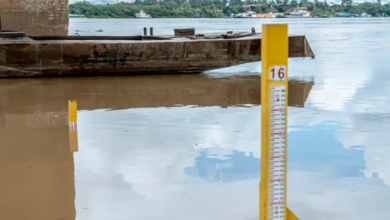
(274, 96)
(72, 111)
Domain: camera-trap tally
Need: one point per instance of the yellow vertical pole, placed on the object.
(274, 96)
(72, 125)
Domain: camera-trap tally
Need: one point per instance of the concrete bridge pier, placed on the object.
(36, 18)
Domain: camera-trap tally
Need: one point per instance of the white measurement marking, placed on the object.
(73, 126)
(277, 152)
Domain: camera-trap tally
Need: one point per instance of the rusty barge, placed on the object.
(45, 50)
(100, 55)
(185, 52)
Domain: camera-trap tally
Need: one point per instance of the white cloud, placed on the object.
(336, 199)
(122, 172)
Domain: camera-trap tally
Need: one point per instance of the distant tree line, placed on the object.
(319, 8)
(222, 8)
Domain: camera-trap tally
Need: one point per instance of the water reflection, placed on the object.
(195, 157)
(329, 163)
(366, 136)
(140, 92)
(175, 167)
(144, 142)
(2, 119)
(36, 171)
(230, 166)
(151, 143)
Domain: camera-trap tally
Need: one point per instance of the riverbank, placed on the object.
(217, 9)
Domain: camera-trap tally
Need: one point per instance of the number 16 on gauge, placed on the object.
(277, 73)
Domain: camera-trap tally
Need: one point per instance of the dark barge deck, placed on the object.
(53, 56)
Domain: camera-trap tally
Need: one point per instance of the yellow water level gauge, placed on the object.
(274, 96)
(72, 125)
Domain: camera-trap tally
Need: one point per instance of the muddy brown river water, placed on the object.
(188, 146)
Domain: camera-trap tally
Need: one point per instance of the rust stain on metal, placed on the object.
(69, 56)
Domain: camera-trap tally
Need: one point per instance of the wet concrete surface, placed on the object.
(35, 18)
(188, 147)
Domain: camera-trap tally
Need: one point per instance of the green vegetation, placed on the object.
(319, 8)
(221, 8)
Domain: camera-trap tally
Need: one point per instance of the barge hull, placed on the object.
(50, 58)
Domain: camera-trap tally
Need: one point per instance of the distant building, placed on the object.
(248, 14)
(269, 15)
(198, 15)
(365, 15)
(346, 15)
(142, 14)
(299, 12)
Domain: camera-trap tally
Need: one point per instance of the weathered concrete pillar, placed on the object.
(36, 18)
